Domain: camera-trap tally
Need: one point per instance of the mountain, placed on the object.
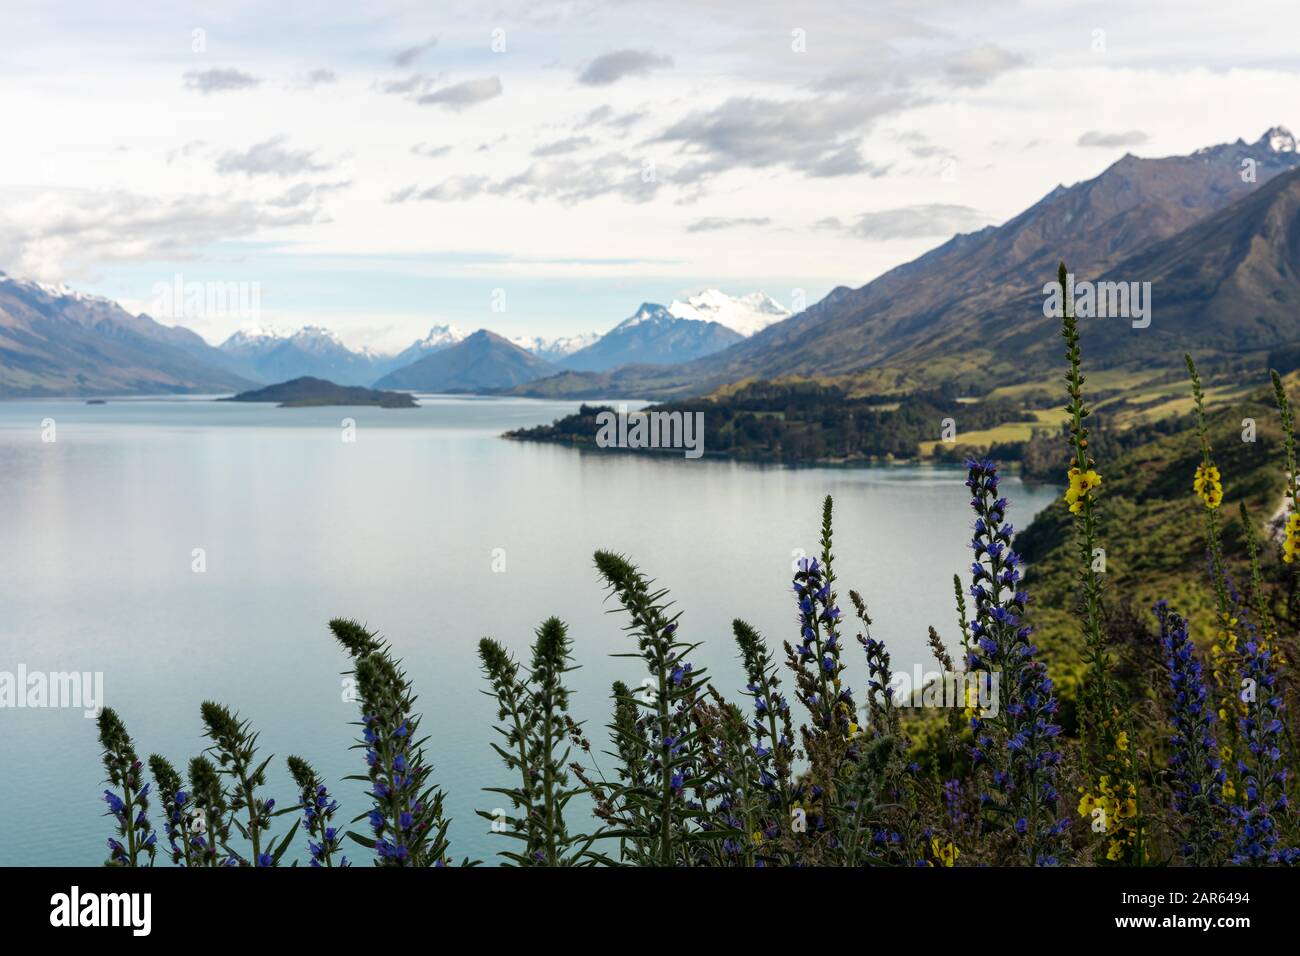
(745, 314)
(952, 312)
(55, 341)
(652, 335)
(307, 392)
(439, 337)
(271, 356)
(482, 362)
(556, 349)
(1230, 283)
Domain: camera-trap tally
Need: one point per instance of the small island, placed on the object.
(308, 392)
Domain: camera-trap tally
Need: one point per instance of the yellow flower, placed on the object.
(1080, 484)
(1207, 486)
(1116, 851)
(946, 854)
(1291, 546)
(1122, 740)
(758, 836)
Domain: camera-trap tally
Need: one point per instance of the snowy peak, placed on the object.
(555, 348)
(745, 314)
(309, 338)
(1279, 140)
(60, 291)
(648, 312)
(440, 336)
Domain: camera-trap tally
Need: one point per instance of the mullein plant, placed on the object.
(537, 731)
(406, 817)
(662, 813)
(1113, 802)
(324, 839)
(1224, 656)
(1020, 745)
(234, 744)
(136, 843)
(1204, 823)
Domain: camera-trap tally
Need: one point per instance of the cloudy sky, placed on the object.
(378, 168)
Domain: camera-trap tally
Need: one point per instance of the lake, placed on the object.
(430, 528)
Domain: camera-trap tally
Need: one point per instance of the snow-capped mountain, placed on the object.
(439, 338)
(57, 341)
(1280, 140)
(271, 355)
(652, 335)
(555, 349)
(745, 314)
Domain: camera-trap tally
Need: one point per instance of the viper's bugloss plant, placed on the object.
(816, 659)
(670, 802)
(1263, 773)
(234, 743)
(406, 816)
(773, 736)
(325, 840)
(1021, 743)
(209, 822)
(1198, 774)
(537, 730)
(128, 797)
(175, 806)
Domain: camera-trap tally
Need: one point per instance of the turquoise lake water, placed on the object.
(406, 529)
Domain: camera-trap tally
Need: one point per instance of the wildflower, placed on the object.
(318, 809)
(1081, 482)
(1263, 775)
(945, 853)
(128, 802)
(1206, 485)
(386, 705)
(1199, 779)
(1291, 546)
(1021, 740)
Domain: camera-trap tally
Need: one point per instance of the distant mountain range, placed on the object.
(1216, 233)
(54, 341)
(480, 362)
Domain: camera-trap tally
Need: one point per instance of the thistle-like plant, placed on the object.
(773, 736)
(175, 805)
(406, 815)
(1195, 761)
(128, 799)
(209, 824)
(318, 808)
(1021, 742)
(234, 743)
(537, 729)
(661, 816)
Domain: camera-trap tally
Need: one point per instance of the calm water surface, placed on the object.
(399, 529)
